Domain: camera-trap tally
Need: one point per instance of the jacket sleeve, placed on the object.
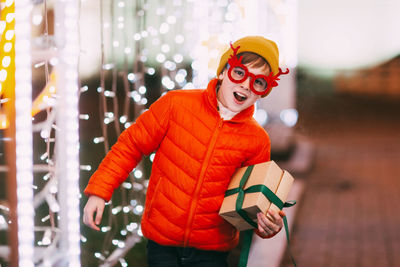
(141, 138)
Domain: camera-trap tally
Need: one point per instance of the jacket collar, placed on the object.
(211, 95)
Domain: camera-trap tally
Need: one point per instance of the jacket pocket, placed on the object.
(155, 194)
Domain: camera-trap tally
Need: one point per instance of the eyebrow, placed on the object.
(266, 71)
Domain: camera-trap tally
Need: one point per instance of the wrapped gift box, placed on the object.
(269, 174)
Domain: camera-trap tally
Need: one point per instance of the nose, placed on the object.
(246, 83)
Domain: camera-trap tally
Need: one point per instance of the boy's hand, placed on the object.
(94, 204)
(270, 227)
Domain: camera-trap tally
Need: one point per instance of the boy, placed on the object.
(201, 138)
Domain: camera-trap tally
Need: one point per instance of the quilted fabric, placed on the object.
(197, 153)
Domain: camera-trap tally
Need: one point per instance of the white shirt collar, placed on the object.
(225, 113)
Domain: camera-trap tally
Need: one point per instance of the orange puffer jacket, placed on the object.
(197, 153)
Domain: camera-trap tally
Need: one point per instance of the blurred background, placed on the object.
(333, 121)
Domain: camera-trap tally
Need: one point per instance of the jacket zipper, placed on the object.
(200, 182)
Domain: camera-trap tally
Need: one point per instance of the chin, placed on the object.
(235, 108)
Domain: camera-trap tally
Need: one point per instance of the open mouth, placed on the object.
(239, 97)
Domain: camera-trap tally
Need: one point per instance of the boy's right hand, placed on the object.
(94, 204)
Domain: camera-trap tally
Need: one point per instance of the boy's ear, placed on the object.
(221, 75)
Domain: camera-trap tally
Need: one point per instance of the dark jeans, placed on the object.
(166, 256)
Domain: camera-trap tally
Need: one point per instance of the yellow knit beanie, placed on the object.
(256, 44)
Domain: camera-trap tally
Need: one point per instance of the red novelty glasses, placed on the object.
(259, 84)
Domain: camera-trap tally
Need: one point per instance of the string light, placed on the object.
(68, 135)
(86, 167)
(84, 89)
(46, 177)
(138, 209)
(127, 185)
(109, 93)
(152, 36)
(4, 122)
(46, 240)
(123, 232)
(23, 127)
(83, 239)
(99, 256)
(142, 90)
(105, 229)
(37, 19)
(46, 218)
(53, 61)
(116, 210)
(151, 71)
(126, 209)
(3, 223)
(44, 156)
(138, 174)
(84, 116)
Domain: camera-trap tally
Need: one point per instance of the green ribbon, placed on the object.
(248, 234)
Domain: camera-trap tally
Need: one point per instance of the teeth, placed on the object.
(242, 95)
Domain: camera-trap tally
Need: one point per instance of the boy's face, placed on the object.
(238, 96)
